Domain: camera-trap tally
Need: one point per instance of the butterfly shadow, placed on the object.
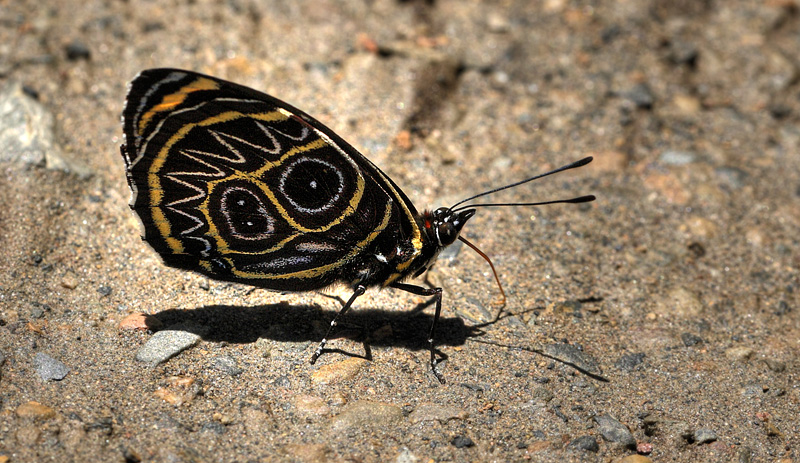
(284, 322)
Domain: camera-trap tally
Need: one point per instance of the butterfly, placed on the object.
(240, 186)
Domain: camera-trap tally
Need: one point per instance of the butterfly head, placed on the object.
(445, 224)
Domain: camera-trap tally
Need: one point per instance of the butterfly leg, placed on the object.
(437, 295)
(360, 290)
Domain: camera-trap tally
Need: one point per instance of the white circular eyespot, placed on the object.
(311, 185)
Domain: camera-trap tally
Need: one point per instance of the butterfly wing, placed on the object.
(240, 186)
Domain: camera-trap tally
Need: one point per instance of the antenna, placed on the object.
(573, 165)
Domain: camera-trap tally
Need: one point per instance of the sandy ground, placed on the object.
(680, 282)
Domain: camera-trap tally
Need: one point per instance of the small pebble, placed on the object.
(700, 227)
(697, 249)
(752, 389)
(704, 436)
(168, 343)
(227, 364)
(37, 312)
(76, 50)
(27, 130)
(629, 361)
(645, 448)
(461, 442)
(682, 52)
(614, 431)
(677, 158)
(49, 368)
(755, 237)
(35, 410)
(687, 104)
(170, 397)
(779, 111)
(775, 365)
(587, 443)
(181, 381)
(497, 23)
(690, 339)
(772, 430)
(69, 281)
(739, 354)
(337, 372)
(641, 96)
(542, 395)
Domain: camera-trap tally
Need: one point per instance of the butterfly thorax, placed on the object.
(387, 264)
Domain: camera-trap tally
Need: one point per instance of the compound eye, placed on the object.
(441, 212)
(446, 233)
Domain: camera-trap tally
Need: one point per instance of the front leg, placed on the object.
(437, 294)
(359, 291)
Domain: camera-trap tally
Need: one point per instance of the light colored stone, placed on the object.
(337, 372)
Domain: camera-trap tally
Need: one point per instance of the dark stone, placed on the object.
(629, 361)
(585, 443)
(683, 53)
(614, 431)
(690, 339)
(77, 50)
(780, 111)
(227, 364)
(697, 249)
(461, 442)
(641, 96)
